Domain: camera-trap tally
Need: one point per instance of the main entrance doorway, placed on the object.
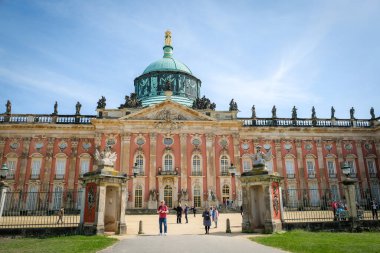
(168, 196)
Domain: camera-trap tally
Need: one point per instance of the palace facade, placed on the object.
(183, 148)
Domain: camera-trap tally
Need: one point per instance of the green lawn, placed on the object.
(69, 244)
(324, 242)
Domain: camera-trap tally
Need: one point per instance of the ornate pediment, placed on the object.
(168, 111)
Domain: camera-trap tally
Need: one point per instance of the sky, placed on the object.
(262, 53)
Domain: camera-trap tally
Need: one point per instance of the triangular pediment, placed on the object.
(168, 111)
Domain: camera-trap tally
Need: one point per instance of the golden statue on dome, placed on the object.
(168, 38)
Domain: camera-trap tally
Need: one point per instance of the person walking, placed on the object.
(162, 212)
(61, 212)
(374, 209)
(215, 216)
(179, 213)
(186, 211)
(206, 220)
(194, 210)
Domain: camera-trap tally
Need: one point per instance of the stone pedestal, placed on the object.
(3, 194)
(349, 191)
(152, 204)
(261, 202)
(105, 198)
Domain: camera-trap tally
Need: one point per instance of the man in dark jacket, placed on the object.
(179, 213)
(186, 211)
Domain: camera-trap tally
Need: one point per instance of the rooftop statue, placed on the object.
(105, 157)
(8, 107)
(313, 114)
(332, 112)
(101, 103)
(168, 38)
(77, 108)
(233, 105)
(352, 113)
(203, 104)
(131, 102)
(372, 112)
(55, 108)
(253, 109)
(274, 112)
(294, 112)
(260, 158)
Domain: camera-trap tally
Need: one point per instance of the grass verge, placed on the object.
(63, 244)
(323, 242)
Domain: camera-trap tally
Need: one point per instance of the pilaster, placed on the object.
(125, 152)
(183, 143)
(210, 152)
(153, 169)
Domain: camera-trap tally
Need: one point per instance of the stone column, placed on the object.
(24, 162)
(278, 155)
(211, 173)
(125, 152)
(361, 163)
(152, 165)
(183, 139)
(236, 143)
(322, 170)
(99, 215)
(123, 224)
(301, 169)
(73, 163)
(349, 190)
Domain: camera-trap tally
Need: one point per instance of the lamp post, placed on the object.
(349, 189)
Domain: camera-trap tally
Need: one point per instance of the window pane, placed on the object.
(84, 166)
(140, 163)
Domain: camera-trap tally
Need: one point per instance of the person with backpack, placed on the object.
(207, 220)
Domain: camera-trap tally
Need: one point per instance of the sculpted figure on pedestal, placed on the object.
(105, 157)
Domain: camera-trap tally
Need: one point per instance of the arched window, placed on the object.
(140, 163)
(289, 165)
(196, 169)
(225, 193)
(310, 165)
(12, 165)
(197, 196)
(168, 163)
(224, 163)
(168, 196)
(138, 196)
(60, 168)
(36, 168)
(84, 165)
(247, 164)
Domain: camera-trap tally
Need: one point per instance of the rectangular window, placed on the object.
(246, 165)
(289, 164)
(310, 169)
(60, 168)
(292, 196)
(375, 191)
(331, 168)
(12, 163)
(371, 168)
(353, 169)
(314, 194)
(138, 197)
(269, 165)
(84, 166)
(334, 192)
(36, 168)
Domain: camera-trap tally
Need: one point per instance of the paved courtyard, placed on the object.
(185, 238)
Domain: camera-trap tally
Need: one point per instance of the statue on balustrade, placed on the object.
(294, 113)
(77, 108)
(105, 157)
(101, 103)
(260, 158)
(274, 112)
(313, 114)
(352, 113)
(203, 104)
(8, 107)
(372, 112)
(253, 109)
(55, 108)
(332, 112)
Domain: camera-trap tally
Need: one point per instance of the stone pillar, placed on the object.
(153, 167)
(125, 152)
(183, 139)
(261, 203)
(24, 162)
(236, 143)
(349, 190)
(278, 155)
(3, 194)
(211, 170)
(322, 170)
(361, 169)
(73, 163)
(301, 169)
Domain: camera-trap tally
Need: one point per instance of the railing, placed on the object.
(46, 119)
(34, 176)
(41, 209)
(168, 172)
(59, 176)
(372, 174)
(311, 175)
(302, 122)
(332, 175)
(290, 175)
(312, 205)
(196, 173)
(224, 173)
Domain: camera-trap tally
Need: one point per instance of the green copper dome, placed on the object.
(167, 63)
(167, 74)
